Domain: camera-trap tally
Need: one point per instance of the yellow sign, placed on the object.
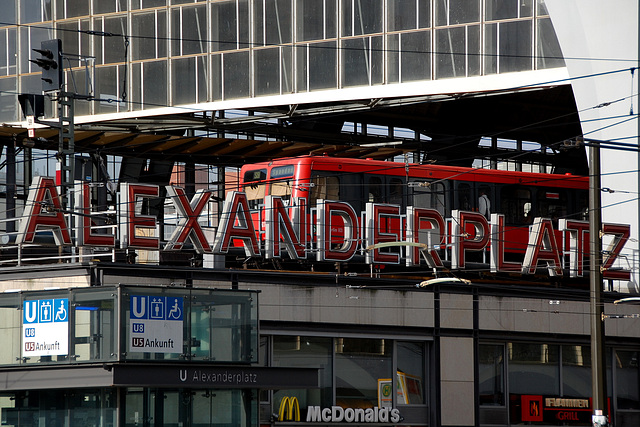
(290, 407)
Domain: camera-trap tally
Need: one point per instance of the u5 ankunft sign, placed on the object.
(337, 231)
(156, 324)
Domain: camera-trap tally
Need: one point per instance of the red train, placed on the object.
(519, 196)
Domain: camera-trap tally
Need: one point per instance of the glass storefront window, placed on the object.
(305, 352)
(533, 368)
(178, 407)
(79, 407)
(360, 363)
(411, 372)
(576, 370)
(627, 379)
(491, 374)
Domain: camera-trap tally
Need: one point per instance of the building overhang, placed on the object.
(165, 375)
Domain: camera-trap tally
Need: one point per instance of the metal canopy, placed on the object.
(447, 129)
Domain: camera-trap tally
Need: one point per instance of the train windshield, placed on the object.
(255, 187)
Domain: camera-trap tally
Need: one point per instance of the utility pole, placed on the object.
(598, 384)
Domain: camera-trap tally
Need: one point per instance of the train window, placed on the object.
(464, 197)
(515, 204)
(375, 189)
(552, 203)
(429, 195)
(396, 191)
(254, 189)
(282, 189)
(324, 187)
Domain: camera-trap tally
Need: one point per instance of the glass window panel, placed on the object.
(627, 379)
(33, 10)
(361, 17)
(501, 9)
(287, 69)
(411, 371)
(107, 87)
(8, 41)
(576, 371)
(356, 62)
(305, 352)
(9, 15)
(75, 8)
(491, 48)
(31, 38)
(491, 374)
(368, 16)
(450, 52)
(549, 53)
(316, 19)
(515, 48)
(322, 65)
(146, 4)
(216, 77)
(149, 35)
(277, 21)
(526, 8)
(267, 76)
(401, 15)
(441, 12)
(194, 30)
(229, 23)
(415, 56)
(302, 69)
(533, 369)
(453, 12)
(8, 105)
(93, 333)
(184, 81)
(189, 80)
(111, 49)
(223, 327)
(393, 58)
(236, 75)
(109, 6)
(464, 11)
(153, 94)
(359, 364)
(473, 50)
(424, 13)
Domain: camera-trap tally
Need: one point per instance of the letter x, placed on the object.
(188, 226)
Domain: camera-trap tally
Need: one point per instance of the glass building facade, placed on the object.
(158, 53)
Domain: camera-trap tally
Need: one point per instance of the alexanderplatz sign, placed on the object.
(338, 231)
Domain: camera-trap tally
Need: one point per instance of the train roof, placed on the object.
(429, 171)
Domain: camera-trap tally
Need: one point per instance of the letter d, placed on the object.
(337, 414)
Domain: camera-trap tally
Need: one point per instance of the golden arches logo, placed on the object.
(290, 407)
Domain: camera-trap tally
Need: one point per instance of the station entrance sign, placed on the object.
(45, 327)
(156, 324)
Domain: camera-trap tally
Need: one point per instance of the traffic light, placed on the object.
(51, 63)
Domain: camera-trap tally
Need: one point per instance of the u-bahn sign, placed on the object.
(336, 230)
(45, 327)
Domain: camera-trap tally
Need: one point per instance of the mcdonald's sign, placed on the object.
(289, 409)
